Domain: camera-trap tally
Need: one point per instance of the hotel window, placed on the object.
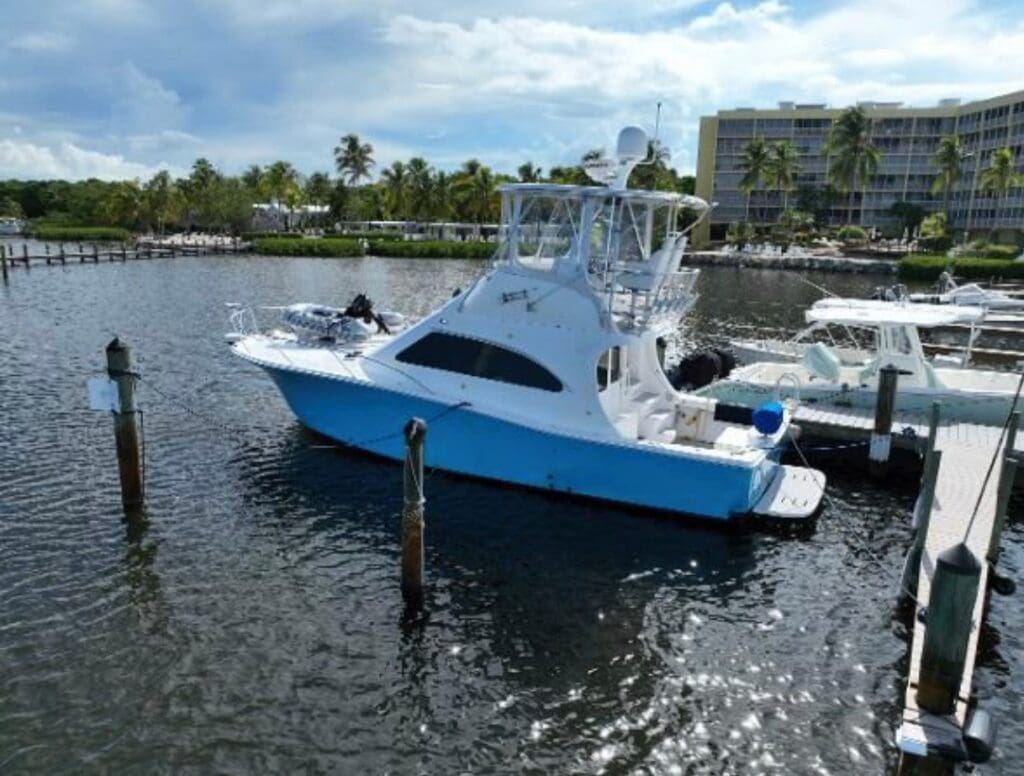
(476, 358)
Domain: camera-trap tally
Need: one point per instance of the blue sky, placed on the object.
(120, 88)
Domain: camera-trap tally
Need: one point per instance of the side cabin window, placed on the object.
(609, 368)
(462, 355)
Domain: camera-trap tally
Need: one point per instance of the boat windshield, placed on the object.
(600, 230)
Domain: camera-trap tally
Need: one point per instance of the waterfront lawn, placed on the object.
(928, 267)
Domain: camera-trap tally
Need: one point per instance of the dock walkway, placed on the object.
(967, 452)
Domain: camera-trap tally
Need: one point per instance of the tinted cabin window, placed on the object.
(478, 359)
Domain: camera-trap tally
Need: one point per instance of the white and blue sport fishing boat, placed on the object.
(545, 372)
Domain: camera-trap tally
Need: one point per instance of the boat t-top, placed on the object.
(545, 372)
(828, 375)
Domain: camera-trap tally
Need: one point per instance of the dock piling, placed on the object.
(126, 430)
(24, 254)
(3, 261)
(948, 629)
(412, 514)
(881, 437)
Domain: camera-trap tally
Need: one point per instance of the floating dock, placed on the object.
(964, 501)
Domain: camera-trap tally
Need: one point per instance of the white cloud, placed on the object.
(41, 42)
(143, 103)
(66, 160)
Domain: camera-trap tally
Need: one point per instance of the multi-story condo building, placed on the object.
(907, 139)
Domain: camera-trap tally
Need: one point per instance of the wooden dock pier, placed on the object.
(967, 501)
(92, 253)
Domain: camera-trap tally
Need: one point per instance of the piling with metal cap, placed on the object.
(126, 430)
(948, 625)
(412, 514)
(881, 437)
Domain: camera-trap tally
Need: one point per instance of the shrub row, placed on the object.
(432, 249)
(80, 233)
(851, 233)
(992, 251)
(329, 247)
(929, 267)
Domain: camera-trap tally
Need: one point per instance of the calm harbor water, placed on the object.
(254, 624)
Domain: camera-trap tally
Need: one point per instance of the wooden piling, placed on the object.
(126, 430)
(948, 628)
(412, 514)
(24, 254)
(95, 254)
(63, 256)
(1006, 477)
(881, 437)
(3, 261)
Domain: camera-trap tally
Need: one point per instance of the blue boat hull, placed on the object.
(464, 441)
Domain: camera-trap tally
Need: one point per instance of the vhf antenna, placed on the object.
(654, 141)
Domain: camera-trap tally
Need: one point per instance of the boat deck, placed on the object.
(967, 450)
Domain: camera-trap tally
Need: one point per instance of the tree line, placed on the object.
(853, 162)
(206, 198)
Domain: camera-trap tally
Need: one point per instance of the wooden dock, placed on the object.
(931, 742)
(93, 253)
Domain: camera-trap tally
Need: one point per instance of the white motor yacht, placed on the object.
(545, 371)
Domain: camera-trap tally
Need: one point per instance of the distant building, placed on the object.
(907, 138)
(275, 216)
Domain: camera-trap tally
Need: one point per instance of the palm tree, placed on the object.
(319, 188)
(353, 158)
(254, 180)
(475, 193)
(852, 157)
(420, 188)
(281, 181)
(1001, 175)
(529, 173)
(781, 169)
(948, 159)
(396, 182)
(754, 164)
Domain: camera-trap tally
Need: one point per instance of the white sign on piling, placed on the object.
(103, 394)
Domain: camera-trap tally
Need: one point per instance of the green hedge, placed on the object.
(851, 233)
(432, 249)
(929, 267)
(80, 233)
(993, 251)
(378, 235)
(329, 247)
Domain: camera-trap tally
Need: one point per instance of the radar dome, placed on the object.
(632, 145)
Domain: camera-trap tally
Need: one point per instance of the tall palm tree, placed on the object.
(254, 180)
(1001, 175)
(948, 158)
(420, 188)
(396, 184)
(529, 172)
(753, 163)
(281, 181)
(319, 188)
(162, 201)
(474, 189)
(782, 168)
(852, 157)
(353, 159)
